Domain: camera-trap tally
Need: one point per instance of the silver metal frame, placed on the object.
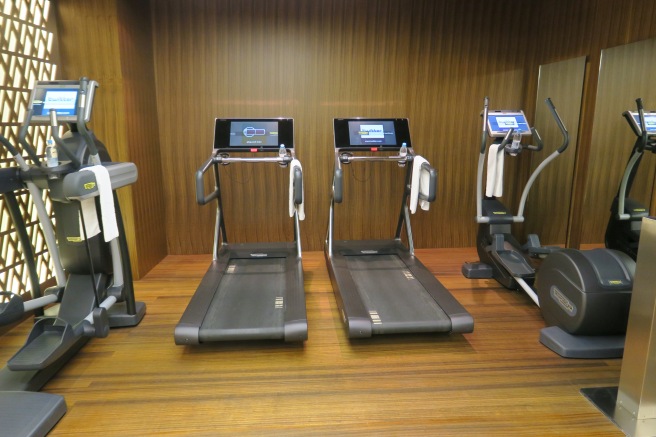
(342, 157)
(632, 406)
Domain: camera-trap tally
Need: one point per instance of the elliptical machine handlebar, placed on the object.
(560, 123)
(10, 147)
(644, 136)
(486, 105)
(81, 126)
(538, 141)
(22, 134)
(55, 135)
(547, 160)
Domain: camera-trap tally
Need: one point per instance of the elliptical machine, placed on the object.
(94, 289)
(501, 256)
(584, 296)
(626, 214)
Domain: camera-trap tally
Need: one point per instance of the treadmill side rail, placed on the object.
(187, 330)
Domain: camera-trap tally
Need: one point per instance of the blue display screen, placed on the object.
(650, 121)
(500, 123)
(62, 100)
(372, 133)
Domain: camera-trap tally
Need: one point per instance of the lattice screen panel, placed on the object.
(25, 57)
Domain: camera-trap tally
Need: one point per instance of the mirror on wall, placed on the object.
(548, 209)
(625, 73)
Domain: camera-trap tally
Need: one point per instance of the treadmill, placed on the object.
(251, 291)
(380, 286)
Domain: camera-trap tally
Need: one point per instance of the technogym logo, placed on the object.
(562, 301)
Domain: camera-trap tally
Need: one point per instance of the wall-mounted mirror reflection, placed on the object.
(626, 73)
(548, 210)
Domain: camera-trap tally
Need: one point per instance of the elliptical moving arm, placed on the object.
(641, 112)
(639, 148)
(81, 126)
(481, 165)
(22, 134)
(55, 135)
(543, 164)
(561, 126)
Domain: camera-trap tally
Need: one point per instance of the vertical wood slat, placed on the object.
(313, 61)
(110, 41)
(142, 142)
(430, 61)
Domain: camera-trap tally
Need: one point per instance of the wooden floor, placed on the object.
(497, 381)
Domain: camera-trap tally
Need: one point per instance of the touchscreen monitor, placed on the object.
(369, 133)
(650, 121)
(500, 122)
(253, 134)
(63, 97)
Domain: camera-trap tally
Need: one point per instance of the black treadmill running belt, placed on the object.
(249, 302)
(394, 298)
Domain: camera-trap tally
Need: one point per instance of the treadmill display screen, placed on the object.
(372, 133)
(360, 133)
(650, 121)
(500, 122)
(253, 134)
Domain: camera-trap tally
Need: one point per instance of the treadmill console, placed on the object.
(634, 121)
(64, 97)
(371, 133)
(253, 135)
(500, 122)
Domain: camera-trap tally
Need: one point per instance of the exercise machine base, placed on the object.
(30, 413)
(477, 270)
(582, 346)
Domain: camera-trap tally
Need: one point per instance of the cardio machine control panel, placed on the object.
(500, 122)
(633, 118)
(253, 135)
(371, 134)
(65, 97)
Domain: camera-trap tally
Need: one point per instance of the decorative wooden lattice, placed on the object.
(25, 57)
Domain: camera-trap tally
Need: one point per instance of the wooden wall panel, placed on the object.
(432, 62)
(142, 146)
(565, 29)
(110, 41)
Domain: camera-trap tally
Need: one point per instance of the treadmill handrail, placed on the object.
(298, 186)
(201, 198)
(217, 158)
(223, 159)
(348, 158)
(432, 183)
(343, 157)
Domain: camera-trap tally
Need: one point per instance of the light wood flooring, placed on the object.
(497, 381)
